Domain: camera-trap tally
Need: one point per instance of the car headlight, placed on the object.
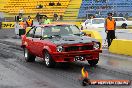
(96, 46)
(59, 48)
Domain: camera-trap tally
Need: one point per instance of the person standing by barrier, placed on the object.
(29, 22)
(22, 28)
(40, 20)
(110, 27)
(38, 17)
(19, 18)
(61, 17)
(47, 21)
(17, 26)
(55, 18)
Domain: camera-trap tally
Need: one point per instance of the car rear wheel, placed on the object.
(93, 62)
(28, 56)
(49, 62)
(124, 25)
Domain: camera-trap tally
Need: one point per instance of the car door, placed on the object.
(38, 42)
(119, 21)
(29, 39)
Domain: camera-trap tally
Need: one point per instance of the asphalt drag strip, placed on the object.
(16, 73)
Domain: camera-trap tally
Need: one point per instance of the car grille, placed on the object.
(78, 48)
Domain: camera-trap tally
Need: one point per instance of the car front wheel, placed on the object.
(49, 62)
(28, 56)
(93, 62)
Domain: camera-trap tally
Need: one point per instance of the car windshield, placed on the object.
(120, 19)
(98, 21)
(61, 30)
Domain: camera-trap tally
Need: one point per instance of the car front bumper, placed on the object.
(70, 56)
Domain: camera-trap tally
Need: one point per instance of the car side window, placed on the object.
(120, 19)
(123, 19)
(38, 32)
(31, 32)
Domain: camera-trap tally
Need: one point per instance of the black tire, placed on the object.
(49, 62)
(124, 25)
(28, 56)
(93, 62)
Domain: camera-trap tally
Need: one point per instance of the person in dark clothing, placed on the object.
(29, 22)
(115, 15)
(126, 16)
(39, 6)
(16, 18)
(120, 15)
(110, 27)
(55, 17)
(58, 4)
(38, 16)
(51, 4)
(40, 20)
(61, 17)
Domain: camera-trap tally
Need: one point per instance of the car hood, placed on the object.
(71, 40)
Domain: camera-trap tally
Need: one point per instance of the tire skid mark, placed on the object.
(61, 74)
(7, 52)
(36, 79)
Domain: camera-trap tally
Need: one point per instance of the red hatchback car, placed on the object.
(59, 43)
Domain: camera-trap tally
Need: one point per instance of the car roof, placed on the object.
(98, 18)
(54, 24)
(117, 17)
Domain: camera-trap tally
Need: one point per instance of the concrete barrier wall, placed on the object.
(93, 34)
(121, 46)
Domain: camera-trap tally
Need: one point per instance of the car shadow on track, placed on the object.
(66, 66)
